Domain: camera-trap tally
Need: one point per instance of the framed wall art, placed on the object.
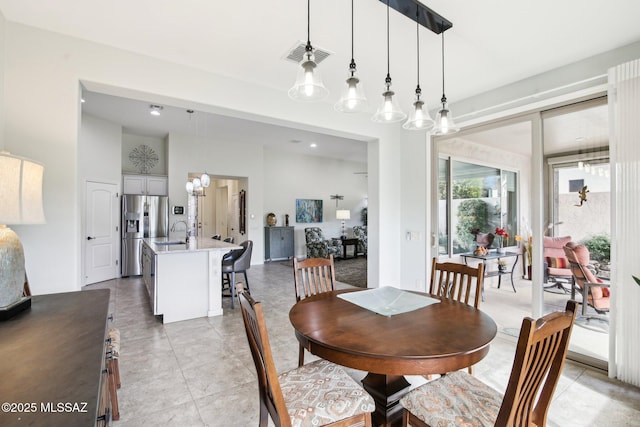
(308, 210)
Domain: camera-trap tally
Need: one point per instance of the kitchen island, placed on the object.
(184, 280)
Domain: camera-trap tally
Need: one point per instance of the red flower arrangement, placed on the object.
(503, 235)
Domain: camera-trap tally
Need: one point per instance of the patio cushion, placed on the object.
(554, 262)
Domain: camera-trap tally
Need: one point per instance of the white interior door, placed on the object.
(101, 233)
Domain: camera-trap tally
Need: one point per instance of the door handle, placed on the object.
(90, 238)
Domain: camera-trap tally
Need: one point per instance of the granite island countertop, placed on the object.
(172, 245)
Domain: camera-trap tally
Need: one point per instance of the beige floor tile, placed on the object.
(200, 372)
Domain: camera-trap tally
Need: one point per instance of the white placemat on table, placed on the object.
(388, 300)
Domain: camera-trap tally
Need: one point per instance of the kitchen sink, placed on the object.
(173, 242)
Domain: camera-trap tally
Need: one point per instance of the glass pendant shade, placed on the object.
(389, 111)
(205, 180)
(308, 86)
(419, 119)
(444, 121)
(352, 99)
(189, 187)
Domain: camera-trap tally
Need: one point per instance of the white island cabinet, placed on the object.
(184, 281)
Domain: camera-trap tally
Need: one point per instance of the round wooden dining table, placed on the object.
(441, 337)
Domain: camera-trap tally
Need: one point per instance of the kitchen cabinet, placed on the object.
(278, 243)
(55, 353)
(147, 185)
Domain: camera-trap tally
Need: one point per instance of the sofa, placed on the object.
(319, 247)
(360, 232)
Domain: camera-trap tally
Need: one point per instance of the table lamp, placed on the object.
(20, 203)
(343, 214)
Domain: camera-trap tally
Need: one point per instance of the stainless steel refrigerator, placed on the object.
(142, 217)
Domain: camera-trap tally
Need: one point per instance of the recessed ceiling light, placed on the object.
(155, 109)
(313, 145)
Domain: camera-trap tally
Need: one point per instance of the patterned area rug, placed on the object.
(352, 271)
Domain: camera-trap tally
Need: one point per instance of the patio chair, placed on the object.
(461, 399)
(312, 276)
(317, 394)
(595, 292)
(556, 266)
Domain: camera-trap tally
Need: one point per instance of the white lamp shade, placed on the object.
(20, 190)
(343, 214)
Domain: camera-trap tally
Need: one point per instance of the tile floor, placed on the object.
(200, 372)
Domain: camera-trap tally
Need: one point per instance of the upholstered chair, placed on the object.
(556, 265)
(360, 231)
(458, 398)
(319, 247)
(595, 292)
(316, 394)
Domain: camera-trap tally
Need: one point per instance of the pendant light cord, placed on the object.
(308, 22)
(388, 67)
(418, 45)
(351, 30)
(444, 98)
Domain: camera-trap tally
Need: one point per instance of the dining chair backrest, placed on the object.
(537, 365)
(313, 276)
(458, 282)
(271, 397)
(540, 355)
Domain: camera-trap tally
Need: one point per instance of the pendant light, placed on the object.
(444, 118)
(353, 99)
(389, 111)
(419, 118)
(308, 86)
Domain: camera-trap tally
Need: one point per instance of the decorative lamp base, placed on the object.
(15, 308)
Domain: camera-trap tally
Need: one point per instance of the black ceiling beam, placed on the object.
(425, 17)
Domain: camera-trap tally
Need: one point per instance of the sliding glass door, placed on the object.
(578, 209)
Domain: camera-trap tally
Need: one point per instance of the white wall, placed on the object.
(42, 75)
(290, 176)
(42, 72)
(99, 147)
(220, 158)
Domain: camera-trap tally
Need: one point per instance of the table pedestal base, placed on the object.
(386, 391)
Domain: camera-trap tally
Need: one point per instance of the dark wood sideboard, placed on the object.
(52, 362)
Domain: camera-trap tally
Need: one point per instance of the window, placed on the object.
(472, 196)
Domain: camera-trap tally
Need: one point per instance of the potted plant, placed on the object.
(502, 265)
(502, 235)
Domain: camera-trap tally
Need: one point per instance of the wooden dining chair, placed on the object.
(458, 282)
(540, 355)
(317, 394)
(312, 276)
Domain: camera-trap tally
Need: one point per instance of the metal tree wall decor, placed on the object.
(144, 158)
